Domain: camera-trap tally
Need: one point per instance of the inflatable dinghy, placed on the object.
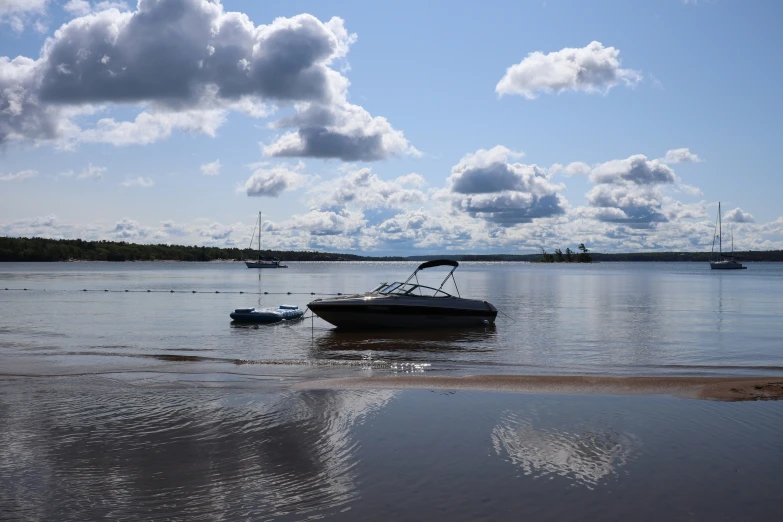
(266, 315)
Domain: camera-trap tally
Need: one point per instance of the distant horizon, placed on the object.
(413, 256)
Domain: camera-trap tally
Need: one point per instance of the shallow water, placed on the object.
(83, 448)
(609, 318)
(151, 405)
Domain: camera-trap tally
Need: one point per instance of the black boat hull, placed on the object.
(362, 316)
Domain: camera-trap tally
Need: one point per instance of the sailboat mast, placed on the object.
(259, 236)
(720, 232)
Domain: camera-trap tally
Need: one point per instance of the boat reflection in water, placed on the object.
(339, 344)
(586, 455)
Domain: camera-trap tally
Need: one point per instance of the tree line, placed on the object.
(583, 256)
(41, 249)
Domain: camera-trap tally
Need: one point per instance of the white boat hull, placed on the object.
(726, 265)
(263, 264)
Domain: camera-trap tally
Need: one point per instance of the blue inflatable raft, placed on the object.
(267, 315)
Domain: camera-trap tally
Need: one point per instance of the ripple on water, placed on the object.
(134, 452)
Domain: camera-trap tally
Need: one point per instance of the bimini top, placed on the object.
(437, 262)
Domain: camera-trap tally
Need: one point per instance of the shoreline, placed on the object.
(726, 389)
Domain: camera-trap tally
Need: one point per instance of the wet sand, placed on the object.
(728, 389)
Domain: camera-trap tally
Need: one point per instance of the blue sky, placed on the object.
(395, 128)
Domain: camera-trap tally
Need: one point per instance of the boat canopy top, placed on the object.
(434, 263)
(437, 262)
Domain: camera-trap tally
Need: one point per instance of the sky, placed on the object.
(396, 128)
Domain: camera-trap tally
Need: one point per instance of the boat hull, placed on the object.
(361, 315)
(726, 265)
(251, 264)
(266, 315)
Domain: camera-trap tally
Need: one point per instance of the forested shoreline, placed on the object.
(52, 250)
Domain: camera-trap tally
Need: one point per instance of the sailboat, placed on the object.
(724, 261)
(262, 261)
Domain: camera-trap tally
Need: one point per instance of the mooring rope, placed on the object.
(156, 291)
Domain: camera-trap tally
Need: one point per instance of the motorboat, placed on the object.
(724, 261)
(267, 315)
(406, 305)
(262, 262)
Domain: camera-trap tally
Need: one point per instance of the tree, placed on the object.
(569, 255)
(559, 255)
(546, 258)
(584, 256)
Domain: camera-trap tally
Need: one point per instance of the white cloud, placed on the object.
(272, 181)
(149, 127)
(78, 7)
(343, 131)
(131, 230)
(683, 155)
(92, 172)
(636, 169)
(593, 68)
(484, 184)
(328, 223)
(186, 64)
(138, 182)
(437, 229)
(738, 216)
(16, 13)
(362, 189)
(83, 7)
(211, 169)
(19, 176)
(572, 169)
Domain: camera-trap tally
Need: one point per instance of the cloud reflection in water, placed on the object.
(586, 454)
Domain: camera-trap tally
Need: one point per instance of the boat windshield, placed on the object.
(411, 289)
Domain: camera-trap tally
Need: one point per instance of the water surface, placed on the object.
(608, 318)
(152, 405)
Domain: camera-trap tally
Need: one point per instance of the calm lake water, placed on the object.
(609, 318)
(151, 405)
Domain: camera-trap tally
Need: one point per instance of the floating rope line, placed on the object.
(151, 291)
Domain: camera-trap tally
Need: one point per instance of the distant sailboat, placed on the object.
(262, 262)
(724, 261)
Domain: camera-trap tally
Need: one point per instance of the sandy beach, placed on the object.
(709, 388)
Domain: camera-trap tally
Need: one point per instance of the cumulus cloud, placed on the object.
(328, 223)
(629, 190)
(343, 131)
(363, 189)
(738, 216)
(131, 230)
(683, 155)
(484, 184)
(19, 176)
(138, 182)
(271, 181)
(636, 169)
(211, 169)
(188, 62)
(593, 68)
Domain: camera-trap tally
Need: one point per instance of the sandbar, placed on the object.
(708, 388)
